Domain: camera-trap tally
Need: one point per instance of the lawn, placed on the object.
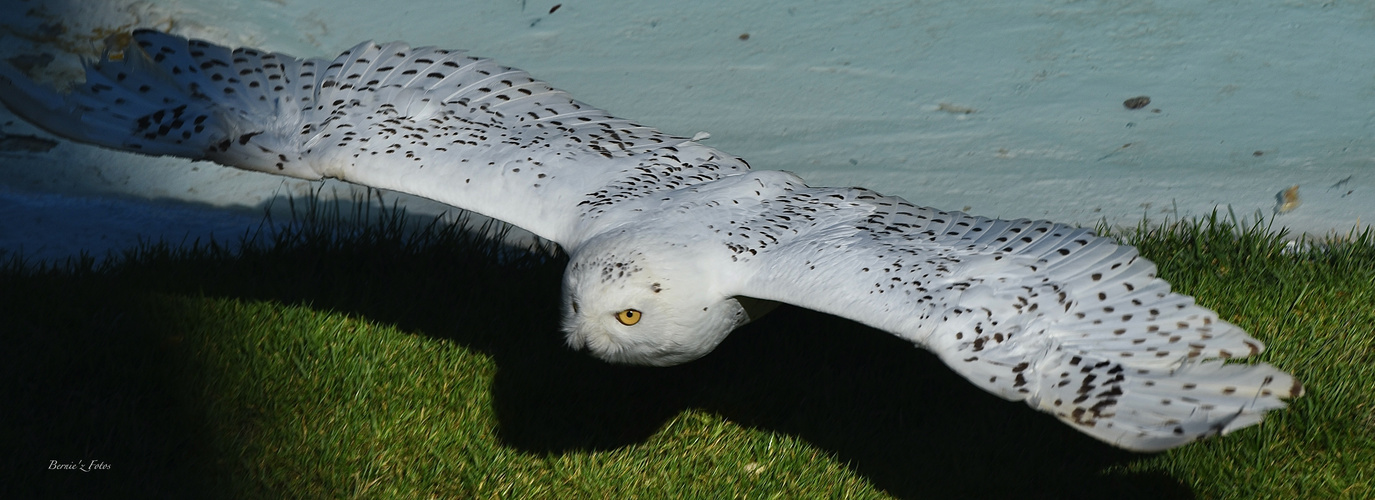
(389, 360)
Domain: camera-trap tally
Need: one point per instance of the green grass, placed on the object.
(387, 361)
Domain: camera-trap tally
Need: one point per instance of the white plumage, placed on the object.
(673, 244)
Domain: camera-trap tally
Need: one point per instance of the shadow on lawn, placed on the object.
(893, 413)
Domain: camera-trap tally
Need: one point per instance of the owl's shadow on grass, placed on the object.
(888, 410)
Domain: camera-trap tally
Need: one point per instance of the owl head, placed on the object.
(635, 299)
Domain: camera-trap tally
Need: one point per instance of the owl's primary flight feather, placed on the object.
(673, 244)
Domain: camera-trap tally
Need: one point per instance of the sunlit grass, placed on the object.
(402, 360)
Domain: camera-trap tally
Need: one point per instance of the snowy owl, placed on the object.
(673, 244)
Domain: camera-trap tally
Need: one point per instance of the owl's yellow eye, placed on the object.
(628, 317)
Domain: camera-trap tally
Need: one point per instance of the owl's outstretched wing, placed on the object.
(1075, 325)
(461, 130)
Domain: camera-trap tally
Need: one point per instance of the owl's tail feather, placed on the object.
(165, 95)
